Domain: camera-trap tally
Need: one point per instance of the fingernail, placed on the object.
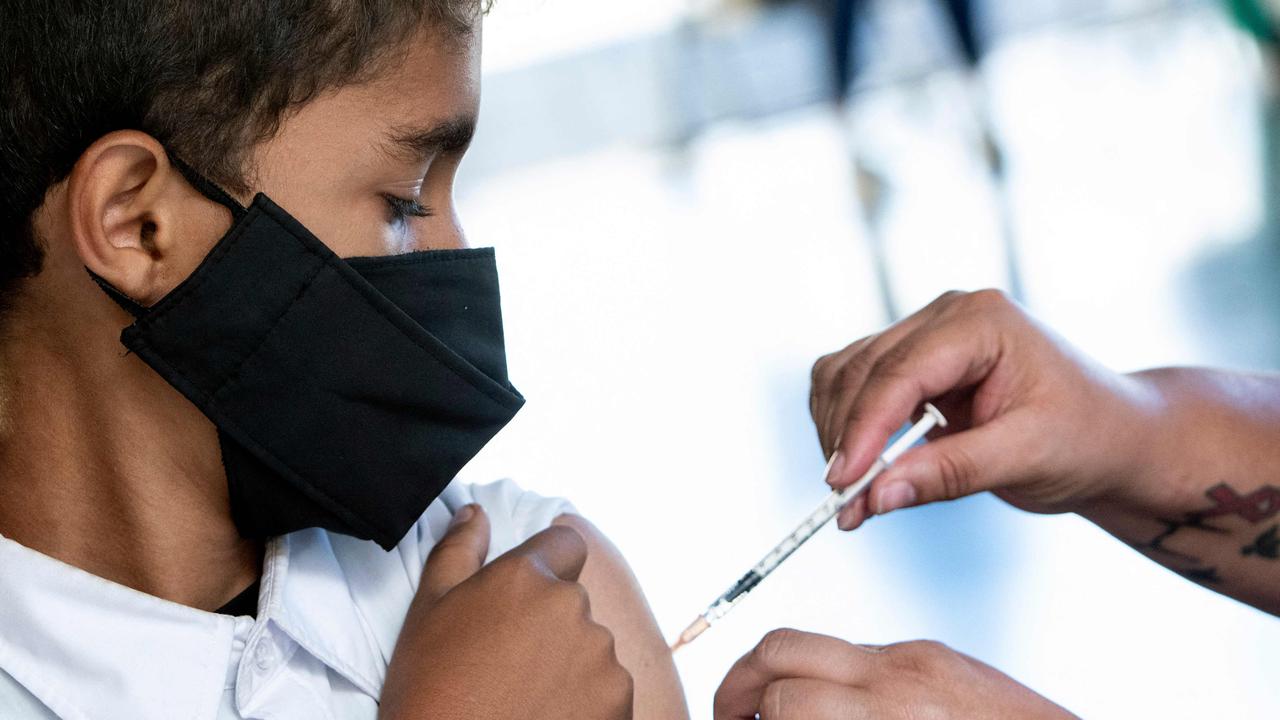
(844, 520)
(853, 514)
(835, 467)
(897, 495)
(463, 515)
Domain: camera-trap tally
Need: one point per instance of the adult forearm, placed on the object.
(1203, 498)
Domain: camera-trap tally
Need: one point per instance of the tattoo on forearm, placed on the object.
(1173, 527)
(1188, 566)
(1259, 505)
(1267, 545)
(1202, 575)
(1256, 507)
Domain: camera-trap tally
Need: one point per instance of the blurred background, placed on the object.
(692, 200)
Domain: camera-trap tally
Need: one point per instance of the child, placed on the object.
(226, 449)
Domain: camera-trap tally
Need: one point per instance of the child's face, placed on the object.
(370, 168)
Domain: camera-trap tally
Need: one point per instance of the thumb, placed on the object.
(457, 556)
(964, 463)
(559, 550)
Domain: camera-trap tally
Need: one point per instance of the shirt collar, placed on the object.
(312, 603)
(88, 647)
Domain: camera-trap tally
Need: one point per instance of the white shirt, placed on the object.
(77, 647)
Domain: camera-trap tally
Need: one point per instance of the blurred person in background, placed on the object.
(846, 24)
(1180, 464)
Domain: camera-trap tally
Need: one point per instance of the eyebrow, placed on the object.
(451, 135)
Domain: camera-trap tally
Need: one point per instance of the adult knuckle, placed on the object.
(926, 657)
(860, 365)
(958, 473)
(841, 376)
(946, 299)
(775, 645)
(820, 368)
(830, 367)
(931, 648)
(888, 367)
(990, 299)
(720, 700)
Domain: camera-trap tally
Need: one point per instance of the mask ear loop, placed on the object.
(209, 189)
(129, 305)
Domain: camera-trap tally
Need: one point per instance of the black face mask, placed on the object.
(347, 393)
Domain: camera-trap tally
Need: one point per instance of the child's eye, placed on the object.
(405, 208)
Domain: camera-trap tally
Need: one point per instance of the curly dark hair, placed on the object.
(207, 78)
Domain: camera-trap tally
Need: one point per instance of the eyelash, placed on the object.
(404, 208)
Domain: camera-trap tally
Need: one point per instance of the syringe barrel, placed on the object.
(823, 514)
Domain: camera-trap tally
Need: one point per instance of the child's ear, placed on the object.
(133, 218)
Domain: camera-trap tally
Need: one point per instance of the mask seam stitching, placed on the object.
(234, 374)
(375, 263)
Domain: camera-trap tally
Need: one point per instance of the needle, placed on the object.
(809, 527)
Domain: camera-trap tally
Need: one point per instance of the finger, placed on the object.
(789, 654)
(934, 360)
(850, 366)
(856, 362)
(808, 699)
(559, 549)
(853, 514)
(986, 457)
(823, 385)
(457, 556)
(837, 374)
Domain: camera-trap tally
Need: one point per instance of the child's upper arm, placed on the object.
(618, 603)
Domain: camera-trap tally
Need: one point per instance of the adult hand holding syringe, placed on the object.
(1050, 430)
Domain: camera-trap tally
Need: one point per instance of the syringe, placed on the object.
(807, 529)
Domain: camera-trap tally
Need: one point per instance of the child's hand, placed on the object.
(513, 639)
